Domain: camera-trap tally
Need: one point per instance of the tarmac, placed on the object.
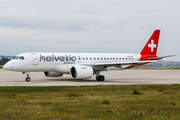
(112, 77)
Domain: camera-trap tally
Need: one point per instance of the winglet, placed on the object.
(151, 46)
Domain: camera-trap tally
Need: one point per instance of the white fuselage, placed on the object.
(62, 62)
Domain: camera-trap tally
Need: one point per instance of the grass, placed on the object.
(136, 92)
(73, 95)
(140, 102)
(106, 102)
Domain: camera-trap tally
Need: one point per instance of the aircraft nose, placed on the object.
(7, 66)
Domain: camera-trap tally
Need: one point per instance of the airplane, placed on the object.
(83, 65)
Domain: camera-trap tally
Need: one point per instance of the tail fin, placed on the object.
(151, 46)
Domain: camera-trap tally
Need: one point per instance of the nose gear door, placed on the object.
(34, 59)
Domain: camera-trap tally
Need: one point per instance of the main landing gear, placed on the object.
(28, 79)
(99, 77)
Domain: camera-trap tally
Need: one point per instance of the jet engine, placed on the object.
(53, 74)
(81, 72)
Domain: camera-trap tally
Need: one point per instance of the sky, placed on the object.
(103, 26)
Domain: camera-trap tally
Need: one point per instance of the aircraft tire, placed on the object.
(28, 79)
(100, 78)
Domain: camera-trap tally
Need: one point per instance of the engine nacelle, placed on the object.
(81, 72)
(53, 74)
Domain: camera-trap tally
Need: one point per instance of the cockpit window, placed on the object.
(21, 58)
(17, 57)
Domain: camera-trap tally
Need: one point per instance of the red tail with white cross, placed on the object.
(151, 46)
(150, 49)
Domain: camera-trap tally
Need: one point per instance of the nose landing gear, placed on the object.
(28, 79)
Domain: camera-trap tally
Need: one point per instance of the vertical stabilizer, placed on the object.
(151, 46)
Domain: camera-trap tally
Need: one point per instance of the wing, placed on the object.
(128, 64)
(125, 63)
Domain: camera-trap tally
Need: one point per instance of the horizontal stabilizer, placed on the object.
(159, 58)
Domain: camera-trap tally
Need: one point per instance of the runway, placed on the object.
(113, 77)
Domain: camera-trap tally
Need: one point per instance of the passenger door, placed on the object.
(34, 59)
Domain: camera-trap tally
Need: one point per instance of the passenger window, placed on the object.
(86, 58)
(132, 58)
(116, 58)
(110, 58)
(97, 58)
(101, 58)
(94, 58)
(83, 58)
(129, 58)
(107, 58)
(119, 58)
(123, 58)
(90, 58)
(113, 58)
(126, 58)
(79, 58)
(21, 58)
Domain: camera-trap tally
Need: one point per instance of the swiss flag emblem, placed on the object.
(152, 45)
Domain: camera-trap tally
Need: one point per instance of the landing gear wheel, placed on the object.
(100, 78)
(28, 79)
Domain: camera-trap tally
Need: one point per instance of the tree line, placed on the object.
(4, 60)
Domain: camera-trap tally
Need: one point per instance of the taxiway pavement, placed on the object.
(113, 77)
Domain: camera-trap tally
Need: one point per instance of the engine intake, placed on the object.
(81, 72)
